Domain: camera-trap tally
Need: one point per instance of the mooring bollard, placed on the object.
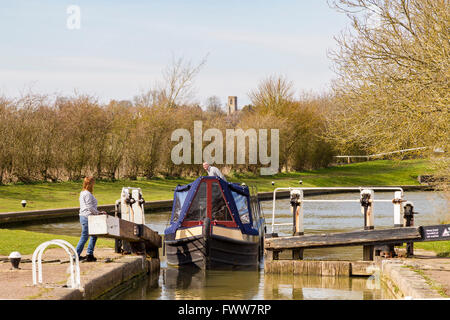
(14, 258)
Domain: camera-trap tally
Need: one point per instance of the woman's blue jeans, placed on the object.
(84, 238)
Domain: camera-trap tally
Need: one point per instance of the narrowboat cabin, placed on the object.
(214, 224)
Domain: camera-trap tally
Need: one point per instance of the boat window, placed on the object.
(197, 211)
(242, 206)
(180, 196)
(219, 209)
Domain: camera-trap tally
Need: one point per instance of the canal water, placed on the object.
(254, 284)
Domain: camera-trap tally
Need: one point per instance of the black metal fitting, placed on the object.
(408, 214)
(365, 200)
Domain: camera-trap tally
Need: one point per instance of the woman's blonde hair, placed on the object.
(88, 184)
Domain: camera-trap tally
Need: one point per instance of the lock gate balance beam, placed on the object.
(368, 238)
(114, 227)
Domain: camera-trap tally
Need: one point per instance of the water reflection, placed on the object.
(288, 286)
(208, 284)
(196, 284)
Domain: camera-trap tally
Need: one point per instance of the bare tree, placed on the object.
(273, 93)
(214, 105)
(179, 80)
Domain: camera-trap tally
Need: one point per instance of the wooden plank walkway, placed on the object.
(354, 238)
(373, 241)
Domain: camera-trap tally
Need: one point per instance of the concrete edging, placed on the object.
(404, 282)
(110, 276)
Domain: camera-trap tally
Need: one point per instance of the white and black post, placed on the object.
(297, 212)
(366, 200)
(398, 209)
(297, 219)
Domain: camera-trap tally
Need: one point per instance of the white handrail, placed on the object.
(381, 154)
(328, 200)
(75, 282)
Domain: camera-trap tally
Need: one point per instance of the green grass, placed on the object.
(26, 241)
(441, 248)
(374, 173)
(65, 194)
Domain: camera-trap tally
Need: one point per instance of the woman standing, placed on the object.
(88, 206)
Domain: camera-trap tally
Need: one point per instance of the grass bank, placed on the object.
(26, 241)
(65, 194)
(441, 248)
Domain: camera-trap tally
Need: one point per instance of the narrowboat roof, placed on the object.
(237, 198)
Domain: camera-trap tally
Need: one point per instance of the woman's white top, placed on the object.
(88, 203)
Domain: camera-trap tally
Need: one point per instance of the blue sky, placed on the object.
(123, 46)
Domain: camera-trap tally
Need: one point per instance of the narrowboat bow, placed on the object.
(215, 224)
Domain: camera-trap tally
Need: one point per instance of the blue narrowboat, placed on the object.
(215, 224)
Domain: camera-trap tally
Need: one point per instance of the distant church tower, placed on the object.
(232, 104)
